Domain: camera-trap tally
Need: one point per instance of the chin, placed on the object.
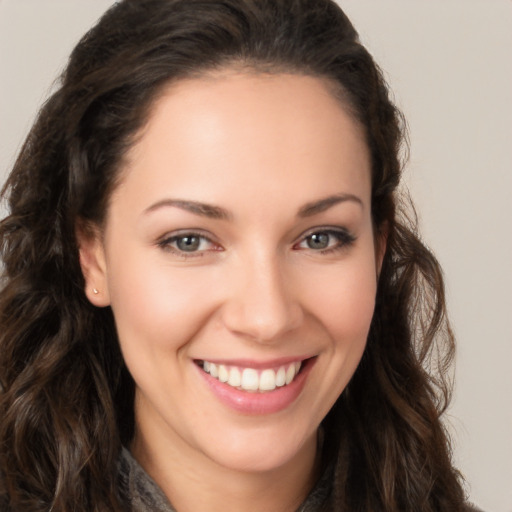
(263, 450)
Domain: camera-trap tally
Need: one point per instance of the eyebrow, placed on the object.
(217, 212)
(203, 209)
(315, 207)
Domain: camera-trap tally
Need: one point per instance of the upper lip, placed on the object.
(257, 365)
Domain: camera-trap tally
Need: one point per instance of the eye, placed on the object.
(319, 240)
(326, 240)
(187, 244)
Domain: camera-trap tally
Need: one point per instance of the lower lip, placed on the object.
(259, 403)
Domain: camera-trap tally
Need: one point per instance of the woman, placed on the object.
(175, 336)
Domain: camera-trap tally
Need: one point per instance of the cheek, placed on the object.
(155, 304)
(343, 300)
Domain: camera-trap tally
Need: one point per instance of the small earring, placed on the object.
(95, 291)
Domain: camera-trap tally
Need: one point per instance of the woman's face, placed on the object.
(238, 258)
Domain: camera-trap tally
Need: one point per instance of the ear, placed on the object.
(93, 264)
(381, 242)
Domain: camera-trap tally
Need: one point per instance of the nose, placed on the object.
(262, 305)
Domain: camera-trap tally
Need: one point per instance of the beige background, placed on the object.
(449, 65)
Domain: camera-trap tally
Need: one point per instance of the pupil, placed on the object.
(318, 241)
(188, 243)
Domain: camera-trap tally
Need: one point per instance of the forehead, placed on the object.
(235, 132)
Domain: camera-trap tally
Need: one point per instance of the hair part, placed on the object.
(66, 397)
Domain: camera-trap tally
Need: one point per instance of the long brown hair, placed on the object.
(66, 398)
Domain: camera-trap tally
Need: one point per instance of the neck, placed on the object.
(193, 482)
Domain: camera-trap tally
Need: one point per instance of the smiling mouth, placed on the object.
(251, 379)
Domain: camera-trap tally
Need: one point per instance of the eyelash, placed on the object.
(343, 237)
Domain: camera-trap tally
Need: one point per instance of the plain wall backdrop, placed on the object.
(448, 63)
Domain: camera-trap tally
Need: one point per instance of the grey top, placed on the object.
(141, 494)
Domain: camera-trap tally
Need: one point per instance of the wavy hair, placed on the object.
(66, 397)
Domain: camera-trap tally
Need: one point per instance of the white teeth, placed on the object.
(235, 377)
(250, 379)
(214, 371)
(290, 373)
(281, 377)
(223, 373)
(267, 380)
